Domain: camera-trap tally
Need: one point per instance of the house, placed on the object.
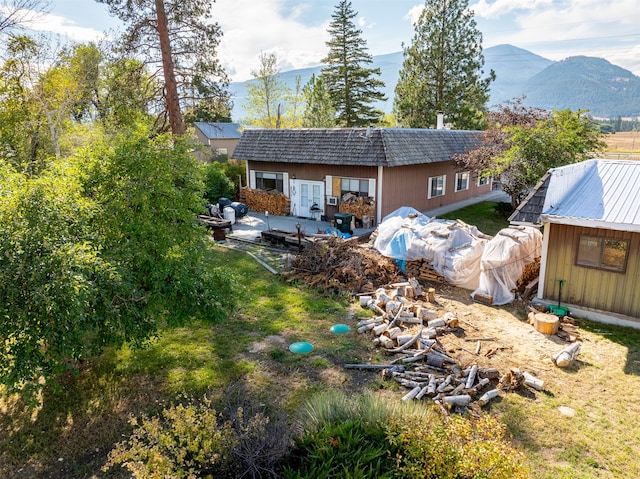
(590, 215)
(392, 167)
(222, 138)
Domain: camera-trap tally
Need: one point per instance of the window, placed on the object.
(269, 181)
(602, 253)
(436, 186)
(462, 181)
(221, 153)
(354, 186)
(483, 180)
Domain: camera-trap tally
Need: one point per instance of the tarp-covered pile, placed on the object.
(453, 247)
(504, 259)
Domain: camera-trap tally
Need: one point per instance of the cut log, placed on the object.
(533, 381)
(460, 400)
(483, 298)
(472, 377)
(488, 396)
(565, 357)
(545, 323)
(431, 295)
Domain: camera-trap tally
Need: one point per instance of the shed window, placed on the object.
(602, 253)
(354, 186)
(436, 186)
(462, 181)
(269, 181)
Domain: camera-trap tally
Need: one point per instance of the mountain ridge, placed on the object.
(576, 83)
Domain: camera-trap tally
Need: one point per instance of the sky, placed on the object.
(296, 30)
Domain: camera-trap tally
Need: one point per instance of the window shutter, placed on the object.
(285, 184)
(328, 185)
(252, 179)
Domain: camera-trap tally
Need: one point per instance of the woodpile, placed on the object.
(275, 202)
(336, 265)
(423, 269)
(528, 282)
(407, 324)
(358, 206)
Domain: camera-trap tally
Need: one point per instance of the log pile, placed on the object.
(357, 206)
(423, 269)
(407, 325)
(336, 265)
(528, 280)
(275, 202)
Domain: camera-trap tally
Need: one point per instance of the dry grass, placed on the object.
(623, 142)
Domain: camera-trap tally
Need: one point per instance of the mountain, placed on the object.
(577, 83)
(586, 83)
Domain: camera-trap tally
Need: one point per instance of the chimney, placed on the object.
(440, 122)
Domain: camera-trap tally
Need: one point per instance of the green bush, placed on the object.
(217, 183)
(455, 447)
(374, 437)
(195, 441)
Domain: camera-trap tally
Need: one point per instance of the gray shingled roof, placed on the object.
(219, 131)
(354, 146)
(528, 212)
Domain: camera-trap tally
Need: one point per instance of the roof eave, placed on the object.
(589, 223)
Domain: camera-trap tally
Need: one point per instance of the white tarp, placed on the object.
(453, 247)
(504, 259)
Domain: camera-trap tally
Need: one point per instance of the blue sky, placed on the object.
(296, 30)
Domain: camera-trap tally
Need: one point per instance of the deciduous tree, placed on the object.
(318, 112)
(442, 69)
(352, 85)
(522, 143)
(267, 95)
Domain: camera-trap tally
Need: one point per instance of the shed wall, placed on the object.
(590, 287)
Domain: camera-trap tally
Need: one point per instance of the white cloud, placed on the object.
(65, 27)
(251, 27)
(497, 8)
(414, 14)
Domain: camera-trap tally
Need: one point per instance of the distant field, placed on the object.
(627, 141)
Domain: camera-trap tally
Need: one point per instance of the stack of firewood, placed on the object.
(407, 325)
(423, 269)
(275, 202)
(529, 278)
(358, 206)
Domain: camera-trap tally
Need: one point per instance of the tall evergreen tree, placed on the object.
(351, 85)
(442, 69)
(178, 38)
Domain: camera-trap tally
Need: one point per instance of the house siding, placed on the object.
(588, 287)
(408, 186)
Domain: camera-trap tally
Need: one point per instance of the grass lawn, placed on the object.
(70, 435)
(486, 216)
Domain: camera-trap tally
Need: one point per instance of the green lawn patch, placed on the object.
(488, 216)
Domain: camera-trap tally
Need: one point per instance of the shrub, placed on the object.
(194, 441)
(217, 183)
(456, 447)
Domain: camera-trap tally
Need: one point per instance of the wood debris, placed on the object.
(408, 326)
(336, 265)
(358, 206)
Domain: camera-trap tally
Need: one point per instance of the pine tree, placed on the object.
(351, 85)
(177, 38)
(442, 69)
